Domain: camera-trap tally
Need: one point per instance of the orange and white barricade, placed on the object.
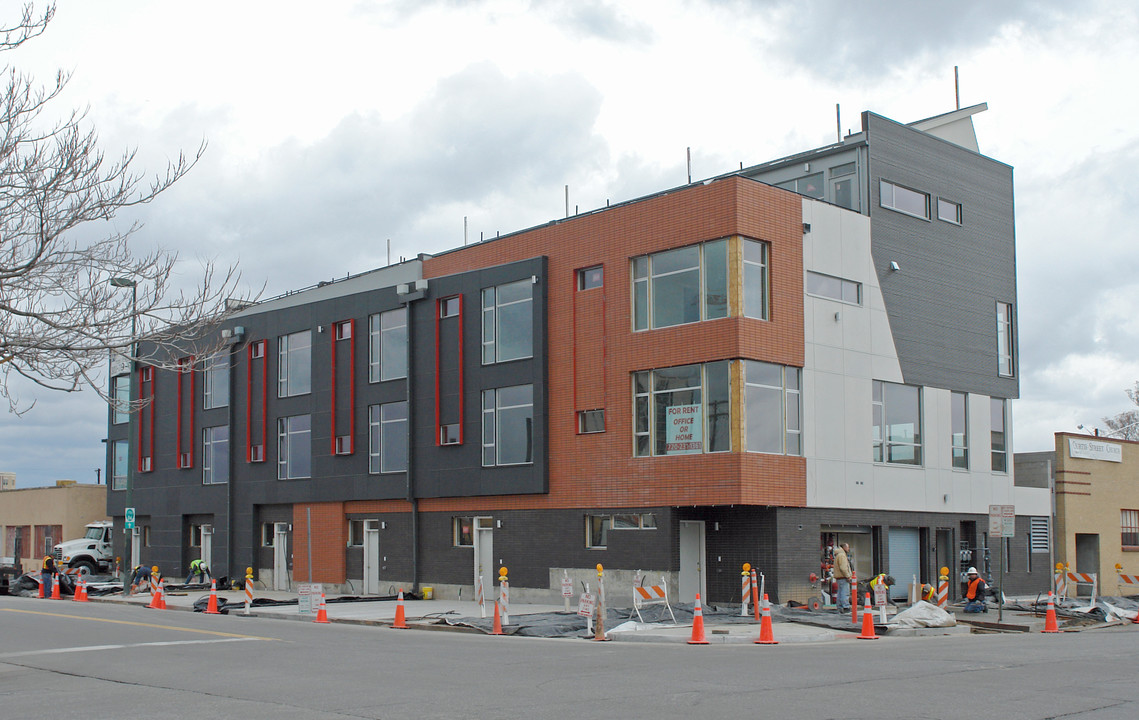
(652, 595)
(1128, 584)
(1061, 582)
(943, 592)
(1076, 578)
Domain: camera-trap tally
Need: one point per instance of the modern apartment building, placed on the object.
(748, 368)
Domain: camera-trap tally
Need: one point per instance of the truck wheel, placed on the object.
(85, 567)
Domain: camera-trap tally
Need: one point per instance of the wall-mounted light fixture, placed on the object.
(894, 266)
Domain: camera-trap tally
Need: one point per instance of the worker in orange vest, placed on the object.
(975, 589)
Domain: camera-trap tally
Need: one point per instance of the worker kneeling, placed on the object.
(200, 569)
(975, 590)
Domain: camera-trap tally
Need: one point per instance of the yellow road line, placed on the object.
(139, 624)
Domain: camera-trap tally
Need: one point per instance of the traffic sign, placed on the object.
(1002, 521)
(129, 524)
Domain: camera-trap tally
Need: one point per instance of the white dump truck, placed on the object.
(91, 553)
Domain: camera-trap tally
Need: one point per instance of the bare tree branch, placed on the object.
(60, 319)
(1125, 425)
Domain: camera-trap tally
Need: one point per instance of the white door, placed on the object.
(692, 578)
(905, 560)
(136, 549)
(484, 557)
(208, 546)
(280, 556)
(371, 557)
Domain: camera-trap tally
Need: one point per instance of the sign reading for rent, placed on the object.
(683, 429)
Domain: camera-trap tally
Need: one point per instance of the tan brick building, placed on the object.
(43, 516)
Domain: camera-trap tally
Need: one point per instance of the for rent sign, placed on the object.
(683, 429)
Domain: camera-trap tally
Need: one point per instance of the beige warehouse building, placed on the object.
(40, 517)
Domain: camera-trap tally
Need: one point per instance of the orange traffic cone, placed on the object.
(497, 630)
(868, 622)
(766, 635)
(400, 618)
(322, 610)
(42, 596)
(55, 587)
(212, 605)
(1050, 624)
(155, 599)
(698, 625)
(80, 590)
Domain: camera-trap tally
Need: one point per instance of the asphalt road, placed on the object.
(95, 660)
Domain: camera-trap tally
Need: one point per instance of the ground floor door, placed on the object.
(905, 560)
(692, 552)
(1087, 559)
(944, 554)
(208, 546)
(281, 556)
(371, 557)
(484, 570)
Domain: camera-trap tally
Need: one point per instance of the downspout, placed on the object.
(229, 530)
(411, 495)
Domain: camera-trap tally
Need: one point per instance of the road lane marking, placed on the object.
(96, 648)
(139, 624)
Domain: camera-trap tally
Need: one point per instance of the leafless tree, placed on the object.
(60, 318)
(1125, 425)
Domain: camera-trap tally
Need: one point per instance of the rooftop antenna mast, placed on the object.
(957, 86)
(689, 164)
(837, 123)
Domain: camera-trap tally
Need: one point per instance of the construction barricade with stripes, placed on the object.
(652, 595)
(1128, 584)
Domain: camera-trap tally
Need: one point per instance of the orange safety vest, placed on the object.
(971, 594)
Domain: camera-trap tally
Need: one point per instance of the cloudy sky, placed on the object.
(336, 126)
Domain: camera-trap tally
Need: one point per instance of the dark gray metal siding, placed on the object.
(942, 302)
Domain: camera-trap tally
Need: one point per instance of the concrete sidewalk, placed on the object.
(427, 615)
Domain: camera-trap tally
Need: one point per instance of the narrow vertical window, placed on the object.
(387, 345)
(294, 447)
(959, 440)
(999, 435)
(774, 408)
(897, 435)
(387, 438)
(120, 399)
(119, 465)
(294, 369)
(1004, 340)
(1129, 525)
(215, 455)
(215, 389)
(756, 280)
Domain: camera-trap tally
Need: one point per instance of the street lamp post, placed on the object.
(121, 282)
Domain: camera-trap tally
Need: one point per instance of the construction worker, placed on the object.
(842, 576)
(975, 589)
(199, 568)
(140, 575)
(928, 594)
(46, 574)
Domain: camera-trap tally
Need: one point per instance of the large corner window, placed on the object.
(508, 322)
(387, 437)
(1004, 339)
(904, 200)
(757, 280)
(774, 408)
(215, 455)
(508, 426)
(997, 407)
(215, 389)
(119, 465)
(294, 369)
(680, 286)
(120, 399)
(294, 447)
(897, 435)
(387, 345)
(959, 437)
(682, 410)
